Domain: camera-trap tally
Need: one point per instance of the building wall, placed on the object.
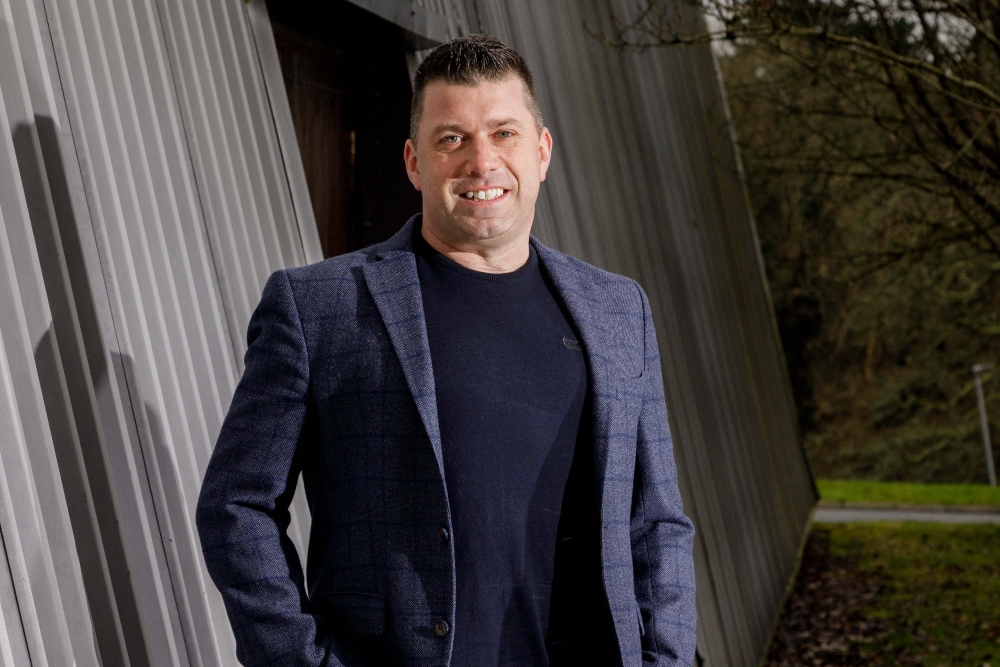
(150, 182)
(144, 201)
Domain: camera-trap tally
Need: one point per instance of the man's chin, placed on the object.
(483, 228)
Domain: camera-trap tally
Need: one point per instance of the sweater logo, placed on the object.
(571, 344)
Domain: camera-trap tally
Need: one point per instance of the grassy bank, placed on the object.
(894, 594)
(902, 493)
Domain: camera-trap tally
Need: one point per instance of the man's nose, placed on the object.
(483, 157)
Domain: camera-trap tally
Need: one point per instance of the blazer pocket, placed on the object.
(360, 613)
(642, 626)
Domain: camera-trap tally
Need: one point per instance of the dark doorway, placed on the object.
(349, 92)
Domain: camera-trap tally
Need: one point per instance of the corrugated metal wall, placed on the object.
(149, 183)
(145, 199)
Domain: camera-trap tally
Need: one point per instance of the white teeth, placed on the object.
(484, 195)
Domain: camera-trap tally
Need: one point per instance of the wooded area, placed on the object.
(870, 137)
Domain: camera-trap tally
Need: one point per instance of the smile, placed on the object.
(484, 195)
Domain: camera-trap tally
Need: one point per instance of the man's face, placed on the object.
(478, 162)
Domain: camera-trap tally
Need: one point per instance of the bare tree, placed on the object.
(917, 80)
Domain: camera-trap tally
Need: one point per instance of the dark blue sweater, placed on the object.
(511, 383)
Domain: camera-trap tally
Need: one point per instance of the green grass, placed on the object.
(940, 593)
(903, 493)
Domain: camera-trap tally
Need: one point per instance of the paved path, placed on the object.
(844, 514)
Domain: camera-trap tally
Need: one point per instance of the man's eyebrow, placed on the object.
(453, 127)
(505, 121)
(492, 124)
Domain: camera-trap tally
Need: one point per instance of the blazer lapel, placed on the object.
(395, 288)
(577, 292)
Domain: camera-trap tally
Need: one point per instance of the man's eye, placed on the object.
(505, 134)
(451, 139)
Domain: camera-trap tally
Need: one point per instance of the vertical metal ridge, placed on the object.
(281, 115)
(38, 539)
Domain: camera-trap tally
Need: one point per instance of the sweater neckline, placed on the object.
(426, 250)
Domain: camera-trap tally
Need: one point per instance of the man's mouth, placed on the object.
(484, 195)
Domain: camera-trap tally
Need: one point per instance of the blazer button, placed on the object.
(441, 628)
(443, 534)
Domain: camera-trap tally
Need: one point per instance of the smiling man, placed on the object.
(479, 422)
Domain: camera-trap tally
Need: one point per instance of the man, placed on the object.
(479, 422)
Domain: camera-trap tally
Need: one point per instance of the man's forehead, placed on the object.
(449, 100)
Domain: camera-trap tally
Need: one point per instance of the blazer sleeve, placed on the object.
(662, 536)
(242, 513)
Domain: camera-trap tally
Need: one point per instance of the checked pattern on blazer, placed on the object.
(339, 387)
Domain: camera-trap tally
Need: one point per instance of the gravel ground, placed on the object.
(901, 595)
(823, 621)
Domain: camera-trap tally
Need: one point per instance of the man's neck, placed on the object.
(510, 257)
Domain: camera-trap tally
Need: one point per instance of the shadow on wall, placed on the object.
(73, 374)
(98, 418)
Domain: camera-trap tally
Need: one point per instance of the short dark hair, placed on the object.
(468, 61)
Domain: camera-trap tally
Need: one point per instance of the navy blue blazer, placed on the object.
(338, 386)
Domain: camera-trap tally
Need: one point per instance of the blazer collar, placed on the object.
(574, 284)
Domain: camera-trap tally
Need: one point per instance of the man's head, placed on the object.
(477, 149)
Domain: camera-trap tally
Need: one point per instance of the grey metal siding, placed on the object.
(144, 200)
(43, 572)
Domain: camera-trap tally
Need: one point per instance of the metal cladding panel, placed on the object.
(44, 608)
(646, 181)
(144, 200)
(14, 636)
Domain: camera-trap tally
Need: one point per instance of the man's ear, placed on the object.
(544, 152)
(410, 159)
